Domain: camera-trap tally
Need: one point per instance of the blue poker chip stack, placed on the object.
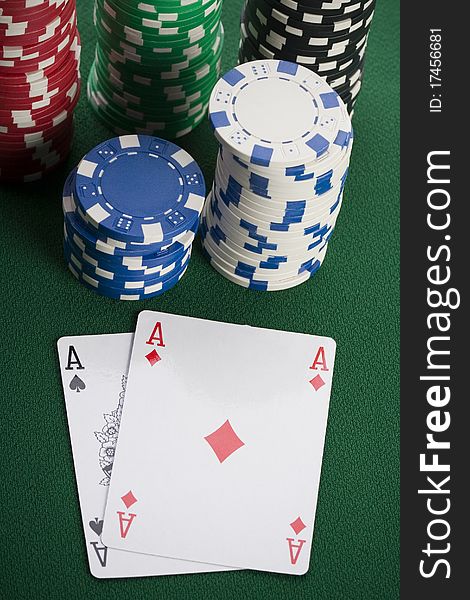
(285, 142)
(131, 210)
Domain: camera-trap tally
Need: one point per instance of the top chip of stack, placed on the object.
(39, 85)
(330, 38)
(156, 64)
(131, 210)
(285, 143)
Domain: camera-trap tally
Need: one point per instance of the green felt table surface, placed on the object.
(354, 298)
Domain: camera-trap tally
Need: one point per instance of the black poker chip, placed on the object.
(304, 37)
(324, 65)
(272, 9)
(335, 71)
(326, 9)
(335, 57)
(330, 38)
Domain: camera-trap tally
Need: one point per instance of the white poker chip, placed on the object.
(285, 144)
(273, 112)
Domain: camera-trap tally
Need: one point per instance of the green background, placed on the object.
(354, 299)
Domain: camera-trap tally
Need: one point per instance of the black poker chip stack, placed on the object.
(328, 37)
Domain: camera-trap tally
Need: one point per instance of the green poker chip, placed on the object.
(146, 22)
(145, 61)
(149, 103)
(153, 109)
(123, 121)
(184, 74)
(155, 65)
(164, 10)
(139, 36)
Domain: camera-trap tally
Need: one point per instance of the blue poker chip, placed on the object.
(139, 188)
(129, 264)
(86, 235)
(118, 263)
(123, 278)
(150, 291)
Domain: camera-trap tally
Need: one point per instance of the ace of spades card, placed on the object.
(221, 444)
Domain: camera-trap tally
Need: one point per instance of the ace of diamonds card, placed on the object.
(94, 375)
(220, 445)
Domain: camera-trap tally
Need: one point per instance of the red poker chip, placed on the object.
(51, 155)
(37, 93)
(40, 125)
(17, 149)
(19, 13)
(9, 7)
(29, 163)
(16, 47)
(32, 174)
(37, 83)
(29, 75)
(61, 101)
(20, 10)
(19, 56)
(20, 31)
(45, 120)
(35, 36)
(39, 86)
(23, 135)
(55, 87)
(43, 156)
(47, 155)
(26, 23)
(51, 49)
(39, 153)
(56, 137)
(42, 90)
(34, 139)
(25, 83)
(42, 61)
(24, 121)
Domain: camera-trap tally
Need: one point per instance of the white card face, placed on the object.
(94, 373)
(221, 444)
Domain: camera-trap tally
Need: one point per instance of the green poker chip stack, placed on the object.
(155, 65)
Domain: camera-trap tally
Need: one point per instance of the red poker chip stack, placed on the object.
(39, 85)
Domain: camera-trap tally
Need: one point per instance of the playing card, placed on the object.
(221, 444)
(94, 374)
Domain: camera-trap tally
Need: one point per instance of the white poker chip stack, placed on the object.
(285, 144)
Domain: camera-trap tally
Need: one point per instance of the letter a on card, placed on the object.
(101, 553)
(125, 524)
(157, 334)
(294, 549)
(320, 359)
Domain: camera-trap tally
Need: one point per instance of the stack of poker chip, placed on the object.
(285, 142)
(39, 85)
(328, 37)
(131, 210)
(155, 64)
